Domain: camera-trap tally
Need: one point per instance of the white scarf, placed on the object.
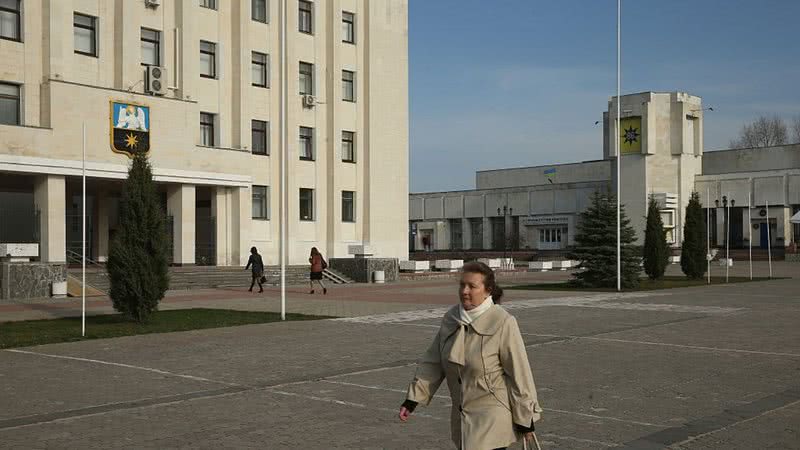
(467, 317)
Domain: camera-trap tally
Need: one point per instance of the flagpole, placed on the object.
(619, 154)
(750, 234)
(83, 236)
(769, 242)
(727, 239)
(284, 150)
(708, 234)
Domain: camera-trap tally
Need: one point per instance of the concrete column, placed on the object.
(241, 205)
(181, 206)
(221, 211)
(101, 232)
(721, 227)
(466, 233)
(51, 198)
(487, 233)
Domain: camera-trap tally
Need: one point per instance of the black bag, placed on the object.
(263, 279)
(324, 264)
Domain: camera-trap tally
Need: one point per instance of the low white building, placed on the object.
(661, 137)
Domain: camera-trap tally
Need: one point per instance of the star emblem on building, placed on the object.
(631, 135)
(130, 141)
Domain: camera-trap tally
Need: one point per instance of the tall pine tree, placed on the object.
(693, 250)
(656, 250)
(138, 258)
(596, 246)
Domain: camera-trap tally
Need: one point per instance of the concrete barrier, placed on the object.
(493, 263)
(448, 265)
(564, 265)
(415, 266)
(542, 266)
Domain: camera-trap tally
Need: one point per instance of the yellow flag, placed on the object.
(630, 138)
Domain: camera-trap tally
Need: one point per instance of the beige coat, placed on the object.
(489, 377)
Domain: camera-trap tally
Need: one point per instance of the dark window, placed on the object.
(348, 206)
(348, 146)
(208, 59)
(207, 129)
(260, 69)
(348, 27)
(151, 47)
(348, 86)
(306, 204)
(476, 233)
(456, 234)
(9, 104)
(259, 10)
(306, 17)
(260, 130)
(306, 79)
(306, 143)
(261, 202)
(10, 20)
(85, 34)
(210, 4)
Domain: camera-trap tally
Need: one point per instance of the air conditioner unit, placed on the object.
(156, 80)
(152, 3)
(309, 101)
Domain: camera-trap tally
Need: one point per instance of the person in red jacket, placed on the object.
(318, 265)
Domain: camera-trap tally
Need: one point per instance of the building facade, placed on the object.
(661, 141)
(197, 85)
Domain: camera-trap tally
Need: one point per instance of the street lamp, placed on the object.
(726, 217)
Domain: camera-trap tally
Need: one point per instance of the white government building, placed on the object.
(197, 84)
(536, 208)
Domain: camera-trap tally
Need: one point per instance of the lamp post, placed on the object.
(726, 222)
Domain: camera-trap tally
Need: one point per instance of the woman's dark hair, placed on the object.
(253, 250)
(489, 281)
(314, 251)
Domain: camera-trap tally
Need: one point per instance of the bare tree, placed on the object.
(796, 129)
(764, 132)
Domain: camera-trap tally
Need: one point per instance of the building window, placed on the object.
(306, 17)
(207, 137)
(348, 146)
(261, 202)
(208, 59)
(259, 10)
(260, 130)
(306, 144)
(85, 33)
(151, 47)
(668, 219)
(306, 79)
(260, 69)
(348, 206)
(348, 86)
(348, 27)
(9, 104)
(456, 234)
(306, 204)
(10, 20)
(210, 4)
(476, 233)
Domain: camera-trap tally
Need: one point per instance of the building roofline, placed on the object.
(543, 165)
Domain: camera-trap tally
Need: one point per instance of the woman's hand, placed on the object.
(404, 414)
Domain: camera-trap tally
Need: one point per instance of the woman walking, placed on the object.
(318, 265)
(479, 350)
(258, 269)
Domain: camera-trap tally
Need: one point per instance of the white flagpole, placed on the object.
(750, 234)
(769, 242)
(619, 154)
(727, 239)
(83, 238)
(708, 234)
(283, 149)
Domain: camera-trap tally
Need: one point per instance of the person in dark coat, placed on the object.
(318, 265)
(258, 269)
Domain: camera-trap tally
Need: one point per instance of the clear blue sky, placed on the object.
(521, 82)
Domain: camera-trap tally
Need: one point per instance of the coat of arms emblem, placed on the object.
(130, 128)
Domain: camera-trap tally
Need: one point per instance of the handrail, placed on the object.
(77, 258)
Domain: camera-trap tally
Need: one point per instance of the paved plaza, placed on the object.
(695, 368)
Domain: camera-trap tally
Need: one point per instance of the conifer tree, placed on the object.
(693, 249)
(656, 250)
(138, 258)
(596, 246)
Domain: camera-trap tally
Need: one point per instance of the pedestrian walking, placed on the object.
(257, 270)
(479, 350)
(318, 265)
